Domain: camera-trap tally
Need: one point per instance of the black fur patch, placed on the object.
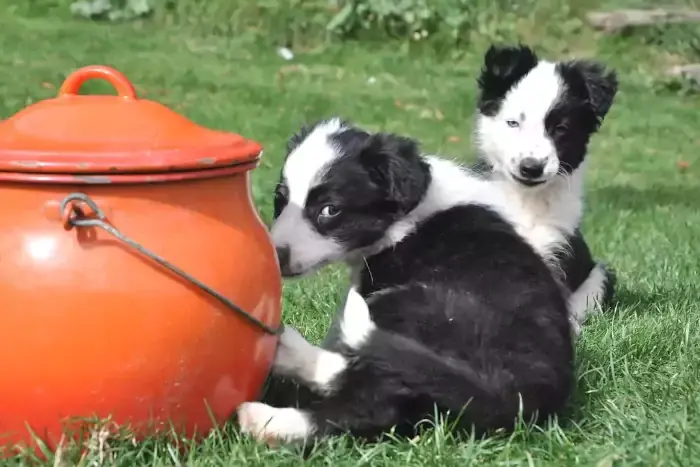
(503, 67)
(589, 91)
(609, 295)
(576, 262)
(591, 82)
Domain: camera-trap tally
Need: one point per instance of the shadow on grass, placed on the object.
(633, 301)
(633, 198)
(626, 297)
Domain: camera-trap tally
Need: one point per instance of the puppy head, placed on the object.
(535, 118)
(340, 189)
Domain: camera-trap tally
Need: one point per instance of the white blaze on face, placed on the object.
(303, 170)
(306, 163)
(527, 103)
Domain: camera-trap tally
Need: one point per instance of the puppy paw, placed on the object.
(272, 425)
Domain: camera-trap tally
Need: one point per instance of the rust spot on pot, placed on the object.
(93, 179)
(207, 161)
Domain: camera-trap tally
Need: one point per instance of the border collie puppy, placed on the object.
(450, 307)
(535, 119)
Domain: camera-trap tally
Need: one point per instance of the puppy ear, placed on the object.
(394, 164)
(595, 83)
(503, 67)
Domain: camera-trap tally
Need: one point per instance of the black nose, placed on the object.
(283, 254)
(531, 168)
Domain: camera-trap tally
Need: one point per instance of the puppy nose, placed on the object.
(531, 168)
(283, 255)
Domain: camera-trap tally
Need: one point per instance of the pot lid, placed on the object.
(95, 134)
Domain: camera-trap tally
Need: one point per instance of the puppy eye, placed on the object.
(329, 211)
(513, 123)
(561, 129)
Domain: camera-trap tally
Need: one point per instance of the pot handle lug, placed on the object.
(73, 215)
(75, 80)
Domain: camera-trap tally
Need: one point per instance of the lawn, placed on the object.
(638, 396)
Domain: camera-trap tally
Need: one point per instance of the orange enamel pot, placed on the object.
(137, 281)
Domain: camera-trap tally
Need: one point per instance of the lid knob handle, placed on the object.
(75, 80)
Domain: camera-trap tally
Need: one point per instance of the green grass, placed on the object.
(638, 397)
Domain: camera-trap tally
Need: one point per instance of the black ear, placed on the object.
(593, 82)
(394, 164)
(503, 67)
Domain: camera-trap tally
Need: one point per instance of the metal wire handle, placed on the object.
(78, 219)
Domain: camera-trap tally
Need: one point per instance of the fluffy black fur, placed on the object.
(577, 115)
(469, 318)
(475, 316)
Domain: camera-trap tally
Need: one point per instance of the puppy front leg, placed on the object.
(318, 367)
(313, 366)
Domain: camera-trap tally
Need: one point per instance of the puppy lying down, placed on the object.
(449, 307)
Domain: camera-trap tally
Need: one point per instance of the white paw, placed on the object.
(273, 425)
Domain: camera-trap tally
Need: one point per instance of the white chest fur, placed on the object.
(545, 216)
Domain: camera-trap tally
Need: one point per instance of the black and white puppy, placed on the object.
(450, 308)
(534, 122)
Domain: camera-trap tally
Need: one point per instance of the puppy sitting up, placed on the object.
(534, 121)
